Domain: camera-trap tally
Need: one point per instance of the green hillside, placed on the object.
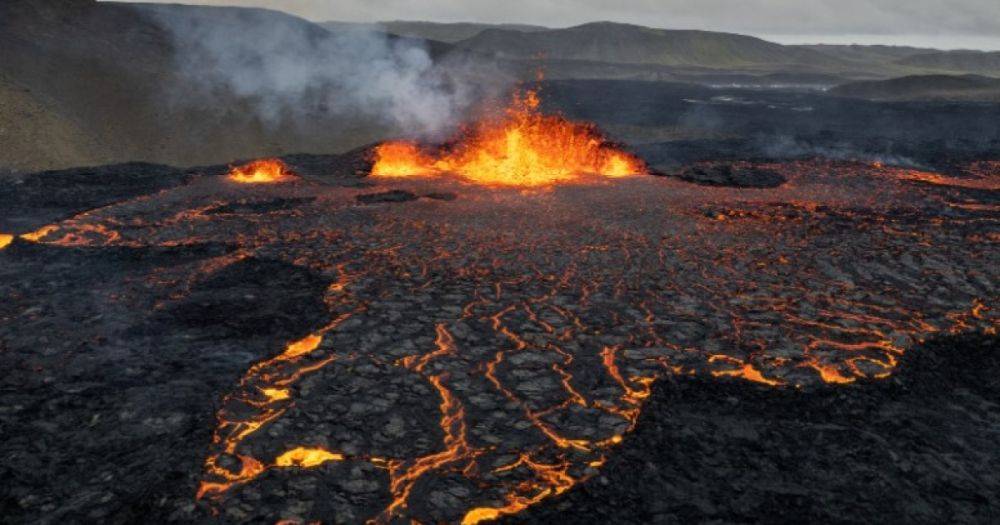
(440, 32)
(629, 44)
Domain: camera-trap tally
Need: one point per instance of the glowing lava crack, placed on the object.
(486, 353)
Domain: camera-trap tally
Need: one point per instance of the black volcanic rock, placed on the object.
(733, 452)
(386, 196)
(251, 298)
(265, 206)
(33, 200)
(730, 175)
(441, 196)
(335, 169)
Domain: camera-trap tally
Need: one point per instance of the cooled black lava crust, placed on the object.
(913, 449)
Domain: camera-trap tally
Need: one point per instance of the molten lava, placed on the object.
(521, 148)
(5, 240)
(306, 457)
(264, 171)
(519, 346)
(39, 234)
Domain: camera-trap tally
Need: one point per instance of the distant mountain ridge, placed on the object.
(593, 49)
(449, 33)
(630, 44)
(981, 62)
(868, 53)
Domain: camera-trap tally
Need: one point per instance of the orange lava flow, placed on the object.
(264, 171)
(521, 148)
(306, 457)
(555, 477)
(5, 240)
(745, 371)
(40, 233)
(403, 475)
(263, 405)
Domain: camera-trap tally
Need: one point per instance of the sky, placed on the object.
(945, 24)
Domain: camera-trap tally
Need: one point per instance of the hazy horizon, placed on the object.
(966, 24)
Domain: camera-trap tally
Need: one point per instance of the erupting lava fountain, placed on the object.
(264, 171)
(520, 148)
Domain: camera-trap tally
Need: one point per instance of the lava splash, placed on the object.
(264, 171)
(521, 148)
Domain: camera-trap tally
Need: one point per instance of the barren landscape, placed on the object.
(606, 300)
(429, 349)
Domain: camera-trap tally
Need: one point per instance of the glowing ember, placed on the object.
(5, 240)
(522, 148)
(264, 171)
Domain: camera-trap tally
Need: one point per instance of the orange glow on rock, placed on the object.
(745, 371)
(276, 394)
(40, 233)
(306, 457)
(522, 148)
(277, 375)
(830, 374)
(5, 240)
(303, 346)
(264, 171)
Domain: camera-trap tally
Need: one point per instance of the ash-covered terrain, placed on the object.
(338, 347)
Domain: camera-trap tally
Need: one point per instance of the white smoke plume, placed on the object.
(289, 70)
(783, 146)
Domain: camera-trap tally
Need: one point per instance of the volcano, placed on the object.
(692, 277)
(470, 358)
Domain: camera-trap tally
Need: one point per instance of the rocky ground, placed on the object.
(913, 449)
(337, 348)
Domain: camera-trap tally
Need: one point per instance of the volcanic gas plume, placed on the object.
(523, 147)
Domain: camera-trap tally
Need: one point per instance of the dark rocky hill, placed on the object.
(982, 62)
(924, 87)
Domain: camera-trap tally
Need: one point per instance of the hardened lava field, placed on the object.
(342, 348)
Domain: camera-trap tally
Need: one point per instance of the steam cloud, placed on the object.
(783, 146)
(288, 70)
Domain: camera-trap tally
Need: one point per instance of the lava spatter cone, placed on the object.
(263, 171)
(523, 147)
